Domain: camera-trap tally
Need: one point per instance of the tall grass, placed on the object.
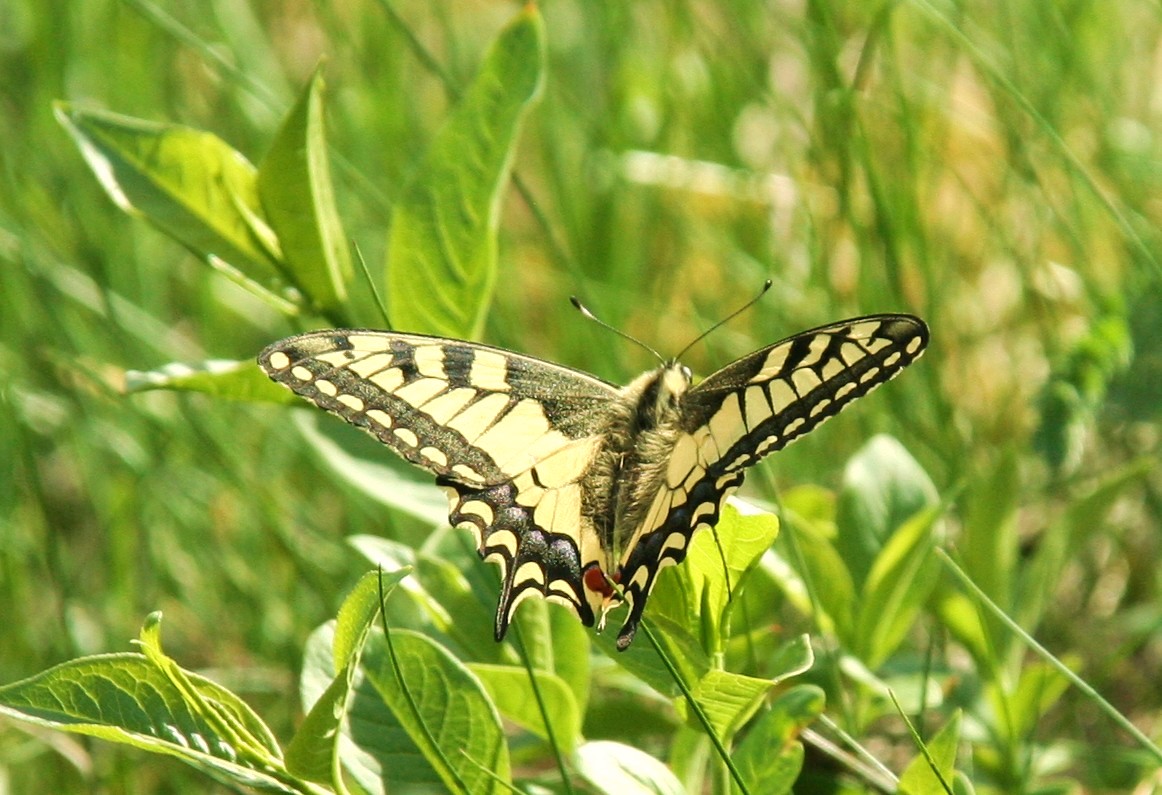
(993, 169)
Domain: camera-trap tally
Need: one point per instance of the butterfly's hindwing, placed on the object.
(533, 559)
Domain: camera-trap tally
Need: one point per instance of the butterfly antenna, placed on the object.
(584, 310)
(727, 319)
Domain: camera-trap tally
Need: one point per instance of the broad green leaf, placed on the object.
(556, 642)
(443, 708)
(358, 612)
(189, 184)
(511, 691)
(315, 752)
(441, 258)
(883, 486)
(617, 769)
(701, 590)
(294, 184)
(826, 576)
(642, 660)
(902, 578)
(146, 701)
(219, 377)
(729, 700)
(315, 688)
(771, 756)
(919, 778)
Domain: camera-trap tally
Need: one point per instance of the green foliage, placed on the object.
(991, 172)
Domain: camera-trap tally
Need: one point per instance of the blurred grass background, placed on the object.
(994, 169)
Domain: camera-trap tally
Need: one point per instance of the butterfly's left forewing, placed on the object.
(749, 409)
(509, 438)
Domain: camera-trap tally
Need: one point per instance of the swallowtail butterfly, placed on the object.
(569, 482)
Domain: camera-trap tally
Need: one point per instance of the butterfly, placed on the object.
(582, 490)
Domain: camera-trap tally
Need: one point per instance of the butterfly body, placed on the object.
(580, 490)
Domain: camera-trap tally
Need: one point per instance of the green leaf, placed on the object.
(883, 486)
(219, 377)
(702, 590)
(771, 756)
(728, 699)
(443, 708)
(441, 257)
(146, 701)
(901, 580)
(642, 660)
(555, 641)
(510, 690)
(315, 751)
(189, 184)
(919, 778)
(294, 184)
(618, 769)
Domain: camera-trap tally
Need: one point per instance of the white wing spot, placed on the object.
(704, 509)
(368, 342)
(406, 436)
(380, 417)
(793, 426)
(500, 542)
(278, 361)
(870, 375)
(434, 455)
(352, 402)
(326, 387)
(912, 347)
(765, 445)
(467, 473)
(844, 390)
(302, 373)
(820, 406)
(673, 541)
(891, 360)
